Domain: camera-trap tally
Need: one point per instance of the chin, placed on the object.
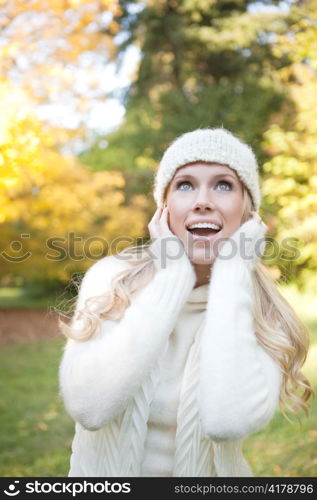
(202, 258)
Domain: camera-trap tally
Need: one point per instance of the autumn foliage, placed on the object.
(203, 64)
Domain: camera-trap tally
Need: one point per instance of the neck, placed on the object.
(202, 274)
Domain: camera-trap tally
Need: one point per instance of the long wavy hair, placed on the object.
(277, 327)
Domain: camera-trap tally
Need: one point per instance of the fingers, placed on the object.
(164, 219)
(159, 225)
(164, 214)
(156, 218)
(157, 214)
(256, 217)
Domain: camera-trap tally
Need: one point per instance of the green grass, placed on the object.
(36, 432)
(283, 449)
(22, 299)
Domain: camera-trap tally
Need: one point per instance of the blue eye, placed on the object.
(228, 184)
(181, 183)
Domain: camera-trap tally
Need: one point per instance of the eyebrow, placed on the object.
(189, 176)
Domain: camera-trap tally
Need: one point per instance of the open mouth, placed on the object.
(204, 232)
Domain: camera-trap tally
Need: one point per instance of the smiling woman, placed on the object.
(179, 349)
(206, 203)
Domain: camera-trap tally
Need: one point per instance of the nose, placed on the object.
(203, 201)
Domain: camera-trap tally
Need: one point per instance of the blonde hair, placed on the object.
(277, 327)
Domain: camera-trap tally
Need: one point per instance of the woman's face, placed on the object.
(204, 193)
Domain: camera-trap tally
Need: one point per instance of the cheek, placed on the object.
(178, 210)
(176, 222)
(232, 212)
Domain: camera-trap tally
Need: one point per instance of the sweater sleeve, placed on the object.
(98, 377)
(240, 382)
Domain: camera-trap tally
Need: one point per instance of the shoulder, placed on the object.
(98, 277)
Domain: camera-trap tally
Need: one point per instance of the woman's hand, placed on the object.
(166, 248)
(158, 226)
(255, 216)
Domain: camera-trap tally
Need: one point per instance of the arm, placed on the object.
(240, 383)
(100, 376)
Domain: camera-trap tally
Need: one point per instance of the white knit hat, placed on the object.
(216, 145)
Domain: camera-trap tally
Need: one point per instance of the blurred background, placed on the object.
(91, 94)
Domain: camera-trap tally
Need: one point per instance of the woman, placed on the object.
(180, 349)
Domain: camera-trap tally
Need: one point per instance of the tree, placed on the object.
(52, 50)
(203, 64)
(56, 216)
(207, 64)
(290, 176)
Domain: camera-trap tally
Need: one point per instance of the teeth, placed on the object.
(204, 225)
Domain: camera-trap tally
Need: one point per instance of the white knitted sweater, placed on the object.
(110, 384)
(159, 450)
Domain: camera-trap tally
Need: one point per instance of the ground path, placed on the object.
(22, 325)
